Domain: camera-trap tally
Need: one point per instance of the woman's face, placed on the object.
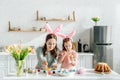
(68, 45)
(51, 43)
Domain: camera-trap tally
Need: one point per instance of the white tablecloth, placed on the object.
(89, 75)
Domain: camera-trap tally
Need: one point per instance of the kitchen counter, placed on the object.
(89, 75)
(79, 53)
(7, 63)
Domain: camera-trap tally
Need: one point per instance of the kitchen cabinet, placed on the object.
(85, 60)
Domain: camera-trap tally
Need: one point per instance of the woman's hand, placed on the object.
(37, 67)
(44, 64)
(55, 66)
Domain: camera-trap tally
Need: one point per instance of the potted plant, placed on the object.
(95, 19)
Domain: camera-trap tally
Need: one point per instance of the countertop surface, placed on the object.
(88, 75)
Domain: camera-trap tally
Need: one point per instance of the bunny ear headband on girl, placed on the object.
(49, 30)
(70, 35)
(57, 31)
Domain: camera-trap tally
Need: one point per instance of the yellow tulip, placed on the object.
(6, 47)
(29, 49)
(18, 51)
(13, 47)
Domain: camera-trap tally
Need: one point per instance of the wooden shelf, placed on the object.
(19, 30)
(68, 19)
(25, 31)
(57, 20)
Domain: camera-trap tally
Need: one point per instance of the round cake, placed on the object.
(102, 67)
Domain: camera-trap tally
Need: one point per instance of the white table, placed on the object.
(89, 75)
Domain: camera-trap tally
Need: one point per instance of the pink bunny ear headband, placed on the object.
(70, 35)
(49, 30)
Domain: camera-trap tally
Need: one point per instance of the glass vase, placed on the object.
(95, 23)
(19, 66)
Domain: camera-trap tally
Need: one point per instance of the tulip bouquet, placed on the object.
(19, 54)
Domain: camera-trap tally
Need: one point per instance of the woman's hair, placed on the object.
(54, 51)
(66, 40)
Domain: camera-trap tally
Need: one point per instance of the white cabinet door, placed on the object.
(31, 61)
(3, 65)
(3, 60)
(85, 60)
(11, 65)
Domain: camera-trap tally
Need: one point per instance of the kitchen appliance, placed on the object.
(85, 48)
(102, 45)
(79, 46)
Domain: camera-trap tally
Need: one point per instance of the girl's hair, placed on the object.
(66, 40)
(52, 52)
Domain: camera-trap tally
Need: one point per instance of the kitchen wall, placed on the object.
(22, 13)
(116, 38)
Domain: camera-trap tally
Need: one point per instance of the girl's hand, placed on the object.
(73, 63)
(65, 54)
(61, 56)
(71, 57)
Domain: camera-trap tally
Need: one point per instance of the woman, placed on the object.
(47, 55)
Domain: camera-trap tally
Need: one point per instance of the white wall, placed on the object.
(22, 13)
(116, 38)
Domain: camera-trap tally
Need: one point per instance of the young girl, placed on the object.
(47, 55)
(67, 57)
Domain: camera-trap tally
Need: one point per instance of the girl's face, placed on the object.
(51, 43)
(68, 45)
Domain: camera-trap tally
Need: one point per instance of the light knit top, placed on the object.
(50, 60)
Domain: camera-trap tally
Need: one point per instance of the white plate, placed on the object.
(66, 74)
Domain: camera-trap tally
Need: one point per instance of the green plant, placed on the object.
(95, 19)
